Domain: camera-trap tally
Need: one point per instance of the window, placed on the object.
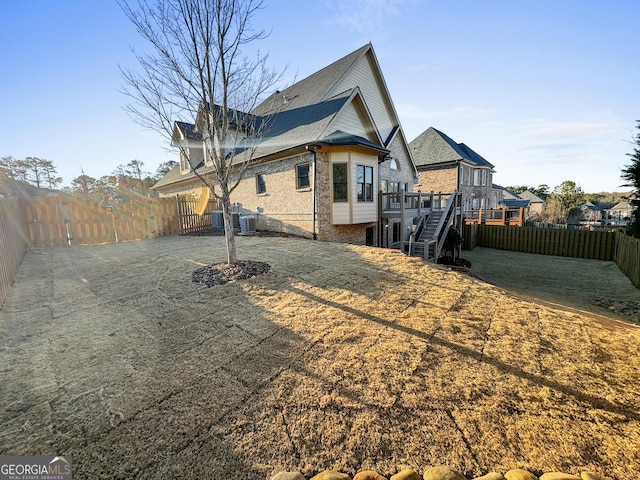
(365, 184)
(467, 176)
(393, 165)
(261, 183)
(476, 177)
(340, 186)
(485, 176)
(393, 187)
(302, 176)
(476, 203)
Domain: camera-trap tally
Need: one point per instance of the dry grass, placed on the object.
(340, 357)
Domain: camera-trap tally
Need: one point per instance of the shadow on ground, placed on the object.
(339, 357)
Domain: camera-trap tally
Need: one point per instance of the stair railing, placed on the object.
(445, 220)
(415, 235)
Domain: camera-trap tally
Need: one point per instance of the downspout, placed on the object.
(313, 149)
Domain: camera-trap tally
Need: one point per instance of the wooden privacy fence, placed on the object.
(628, 257)
(51, 221)
(594, 245)
(544, 241)
(67, 220)
(13, 244)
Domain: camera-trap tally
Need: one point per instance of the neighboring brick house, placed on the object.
(334, 144)
(444, 166)
(537, 204)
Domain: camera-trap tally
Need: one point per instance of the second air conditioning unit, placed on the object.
(247, 225)
(217, 220)
(235, 221)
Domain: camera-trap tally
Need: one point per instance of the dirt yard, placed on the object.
(339, 357)
(571, 283)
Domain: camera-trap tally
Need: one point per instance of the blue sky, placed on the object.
(545, 90)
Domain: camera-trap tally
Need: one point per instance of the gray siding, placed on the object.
(349, 121)
(361, 75)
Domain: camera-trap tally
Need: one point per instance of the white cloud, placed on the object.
(365, 15)
(569, 130)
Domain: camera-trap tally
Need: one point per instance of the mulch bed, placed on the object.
(223, 272)
(209, 232)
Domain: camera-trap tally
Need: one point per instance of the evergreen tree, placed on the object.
(631, 174)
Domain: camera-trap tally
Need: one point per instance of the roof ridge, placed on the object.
(314, 87)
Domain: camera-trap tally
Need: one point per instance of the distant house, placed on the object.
(537, 204)
(502, 194)
(586, 214)
(334, 145)
(619, 214)
(444, 166)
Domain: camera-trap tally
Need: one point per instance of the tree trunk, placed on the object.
(229, 234)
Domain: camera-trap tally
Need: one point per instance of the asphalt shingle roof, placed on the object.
(296, 116)
(432, 147)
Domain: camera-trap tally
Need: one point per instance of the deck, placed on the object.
(496, 216)
(411, 204)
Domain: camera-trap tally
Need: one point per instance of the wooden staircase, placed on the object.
(431, 231)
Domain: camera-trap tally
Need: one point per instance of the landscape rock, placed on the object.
(369, 475)
(406, 474)
(559, 476)
(593, 476)
(629, 309)
(491, 476)
(518, 474)
(442, 473)
(331, 475)
(289, 476)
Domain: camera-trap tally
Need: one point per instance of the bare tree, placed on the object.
(197, 70)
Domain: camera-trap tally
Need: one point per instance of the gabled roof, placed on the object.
(433, 147)
(312, 89)
(622, 206)
(532, 197)
(188, 131)
(306, 112)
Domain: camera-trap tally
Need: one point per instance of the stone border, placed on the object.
(440, 473)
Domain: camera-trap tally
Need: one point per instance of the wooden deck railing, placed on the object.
(497, 216)
(395, 202)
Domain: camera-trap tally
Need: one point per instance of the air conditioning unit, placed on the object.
(217, 220)
(235, 221)
(247, 225)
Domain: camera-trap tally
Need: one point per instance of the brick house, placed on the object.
(444, 166)
(334, 145)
